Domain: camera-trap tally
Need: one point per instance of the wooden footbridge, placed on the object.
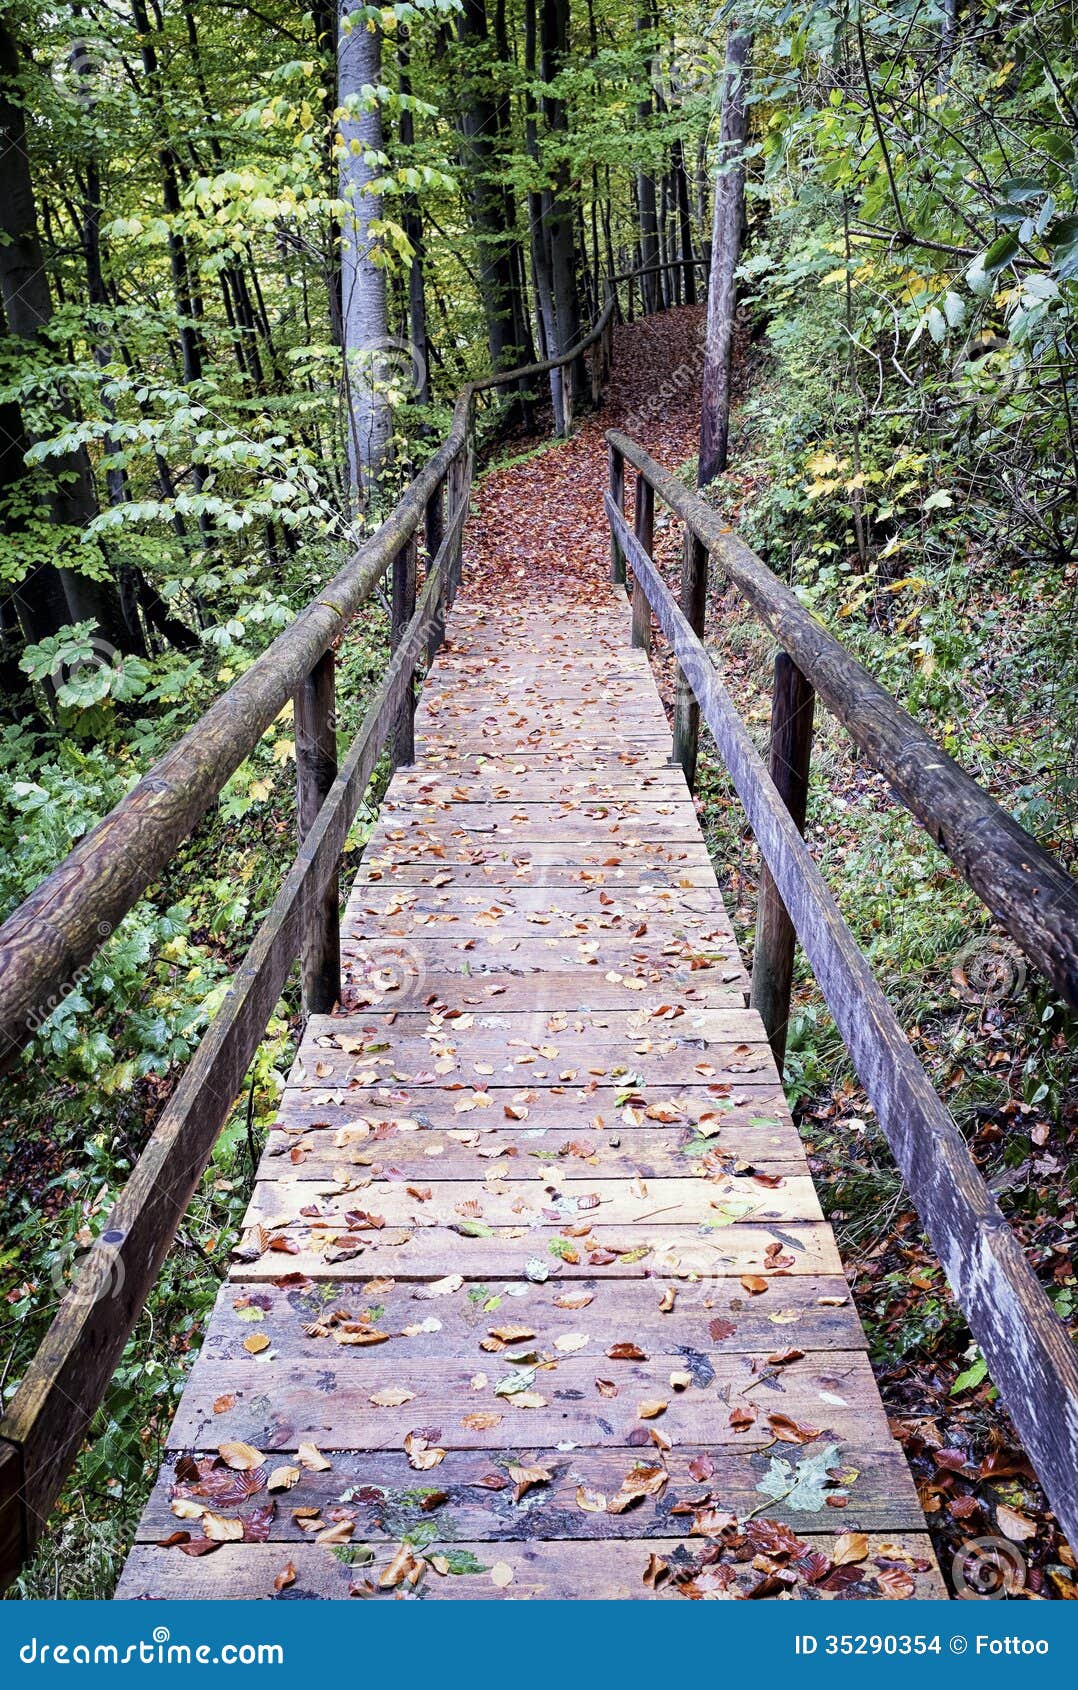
(534, 1295)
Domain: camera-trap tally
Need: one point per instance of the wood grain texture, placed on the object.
(543, 1125)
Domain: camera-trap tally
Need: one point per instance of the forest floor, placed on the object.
(539, 531)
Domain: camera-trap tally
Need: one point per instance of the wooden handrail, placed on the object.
(68, 917)
(1028, 1349)
(1025, 889)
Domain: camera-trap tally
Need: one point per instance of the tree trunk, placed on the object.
(363, 280)
(558, 210)
(413, 228)
(542, 269)
(651, 280)
(324, 25)
(726, 234)
(681, 183)
(478, 128)
(27, 304)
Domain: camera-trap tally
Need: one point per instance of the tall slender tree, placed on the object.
(363, 278)
(726, 235)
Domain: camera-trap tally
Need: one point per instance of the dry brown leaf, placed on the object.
(755, 1283)
(241, 1457)
(849, 1548)
(222, 1528)
(313, 1459)
(283, 1478)
(526, 1478)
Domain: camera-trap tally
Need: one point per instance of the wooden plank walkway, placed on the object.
(535, 1290)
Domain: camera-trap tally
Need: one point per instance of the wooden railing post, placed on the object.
(434, 522)
(402, 742)
(617, 493)
(792, 705)
(316, 770)
(693, 608)
(14, 1548)
(644, 529)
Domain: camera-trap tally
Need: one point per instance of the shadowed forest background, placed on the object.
(248, 257)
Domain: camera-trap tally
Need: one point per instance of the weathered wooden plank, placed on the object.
(494, 874)
(653, 1251)
(390, 1499)
(556, 1570)
(550, 990)
(703, 906)
(278, 1405)
(689, 1200)
(812, 1315)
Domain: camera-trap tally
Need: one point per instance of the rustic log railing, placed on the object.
(48, 940)
(1028, 1349)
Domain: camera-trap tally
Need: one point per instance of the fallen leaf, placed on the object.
(313, 1459)
(526, 1478)
(283, 1478)
(240, 1457)
(222, 1528)
(850, 1547)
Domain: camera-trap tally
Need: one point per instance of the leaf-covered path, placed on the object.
(535, 1296)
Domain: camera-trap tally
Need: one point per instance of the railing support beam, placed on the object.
(694, 609)
(316, 770)
(793, 699)
(617, 493)
(402, 609)
(644, 529)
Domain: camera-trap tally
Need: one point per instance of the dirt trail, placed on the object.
(540, 528)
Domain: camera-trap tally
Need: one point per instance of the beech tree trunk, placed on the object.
(413, 228)
(557, 205)
(363, 280)
(726, 234)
